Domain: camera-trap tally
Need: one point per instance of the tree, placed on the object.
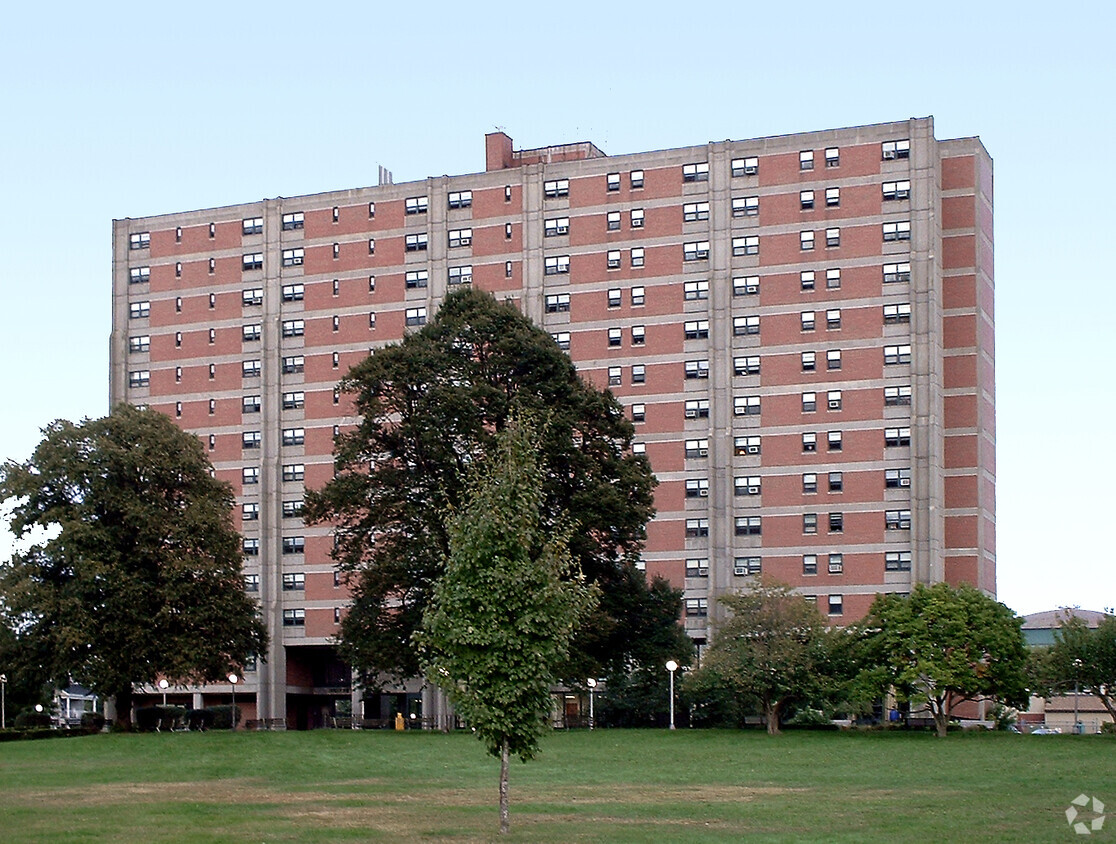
(943, 645)
(429, 407)
(501, 619)
(770, 651)
(135, 567)
(1084, 658)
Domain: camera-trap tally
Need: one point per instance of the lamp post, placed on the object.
(163, 685)
(3, 702)
(1077, 663)
(671, 666)
(592, 683)
(232, 715)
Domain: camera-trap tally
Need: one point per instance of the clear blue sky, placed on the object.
(134, 109)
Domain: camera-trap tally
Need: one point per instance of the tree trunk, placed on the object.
(771, 717)
(1107, 701)
(123, 701)
(504, 823)
(940, 711)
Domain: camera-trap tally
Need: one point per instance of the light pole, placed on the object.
(163, 684)
(232, 716)
(1077, 663)
(671, 666)
(592, 683)
(3, 702)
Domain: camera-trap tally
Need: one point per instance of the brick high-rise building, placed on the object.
(801, 327)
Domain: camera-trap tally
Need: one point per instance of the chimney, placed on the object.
(497, 151)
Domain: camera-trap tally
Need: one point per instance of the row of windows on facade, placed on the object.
(753, 525)
(292, 581)
(750, 445)
(699, 607)
(834, 563)
(555, 188)
(751, 485)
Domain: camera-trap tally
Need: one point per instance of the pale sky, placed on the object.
(134, 109)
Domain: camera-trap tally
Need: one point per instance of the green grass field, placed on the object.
(609, 785)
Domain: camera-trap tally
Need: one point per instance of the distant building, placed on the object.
(1058, 711)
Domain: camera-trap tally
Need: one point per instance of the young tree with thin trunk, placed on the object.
(500, 621)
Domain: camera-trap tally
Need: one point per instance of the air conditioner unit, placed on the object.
(753, 490)
(904, 482)
(691, 414)
(703, 452)
(835, 405)
(753, 449)
(889, 153)
(704, 493)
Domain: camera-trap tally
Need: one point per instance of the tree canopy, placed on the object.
(500, 621)
(429, 407)
(943, 644)
(134, 571)
(1083, 658)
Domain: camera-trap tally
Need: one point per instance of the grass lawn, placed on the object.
(608, 785)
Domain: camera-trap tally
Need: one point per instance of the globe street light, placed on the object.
(1077, 663)
(592, 683)
(163, 684)
(232, 716)
(3, 708)
(671, 666)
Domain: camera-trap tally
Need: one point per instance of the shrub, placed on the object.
(222, 716)
(30, 718)
(153, 718)
(199, 719)
(1108, 727)
(92, 722)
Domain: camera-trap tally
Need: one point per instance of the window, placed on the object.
(697, 527)
(832, 157)
(416, 242)
(252, 296)
(746, 485)
(832, 197)
(695, 250)
(746, 285)
(336, 213)
(836, 605)
(897, 519)
(561, 225)
(897, 561)
(556, 302)
(809, 563)
(697, 448)
(251, 583)
(896, 396)
(639, 373)
(695, 172)
(639, 412)
(615, 336)
(556, 265)
(697, 369)
(744, 245)
(836, 481)
(139, 378)
(697, 607)
(698, 567)
(612, 180)
(294, 436)
(809, 441)
(139, 310)
(556, 188)
(893, 273)
(251, 439)
(806, 159)
(810, 482)
(459, 275)
(742, 446)
(745, 206)
(747, 525)
(460, 199)
(806, 279)
(896, 190)
(615, 378)
(293, 257)
(897, 478)
(897, 313)
(178, 269)
(294, 581)
(833, 399)
(636, 218)
(637, 256)
(250, 475)
(294, 618)
(809, 402)
(745, 325)
(639, 296)
(809, 523)
(613, 259)
(293, 292)
(294, 472)
(697, 488)
(897, 436)
(745, 566)
(749, 365)
(833, 318)
(562, 338)
(294, 327)
(507, 269)
(250, 404)
(139, 240)
(416, 204)
(250, 368)
(833, 237)
(833, 279)
(292, 509)
(142, 343)
(252, 225)
(614, 297)
(897, 231)
(833, 359)
(251, 332)
(639, 335)
(696, 329)
(372, 244)
(139, 275)
(293, 221)
(178, 343)
(250, 547)
(692, 211)
(294, 544)
(336, 359)
(745, 405)
(745, 166)
(697, 409)
(896, 149)
(836, 522)
(806, 200)
(897, 355)
(695, 290)
(636, 178)
(294, 400)
(415, 316)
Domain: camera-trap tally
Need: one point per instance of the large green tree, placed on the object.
(501, 618)
(134, 570)
(1083, 658)
(943, 645)
(428, 408)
